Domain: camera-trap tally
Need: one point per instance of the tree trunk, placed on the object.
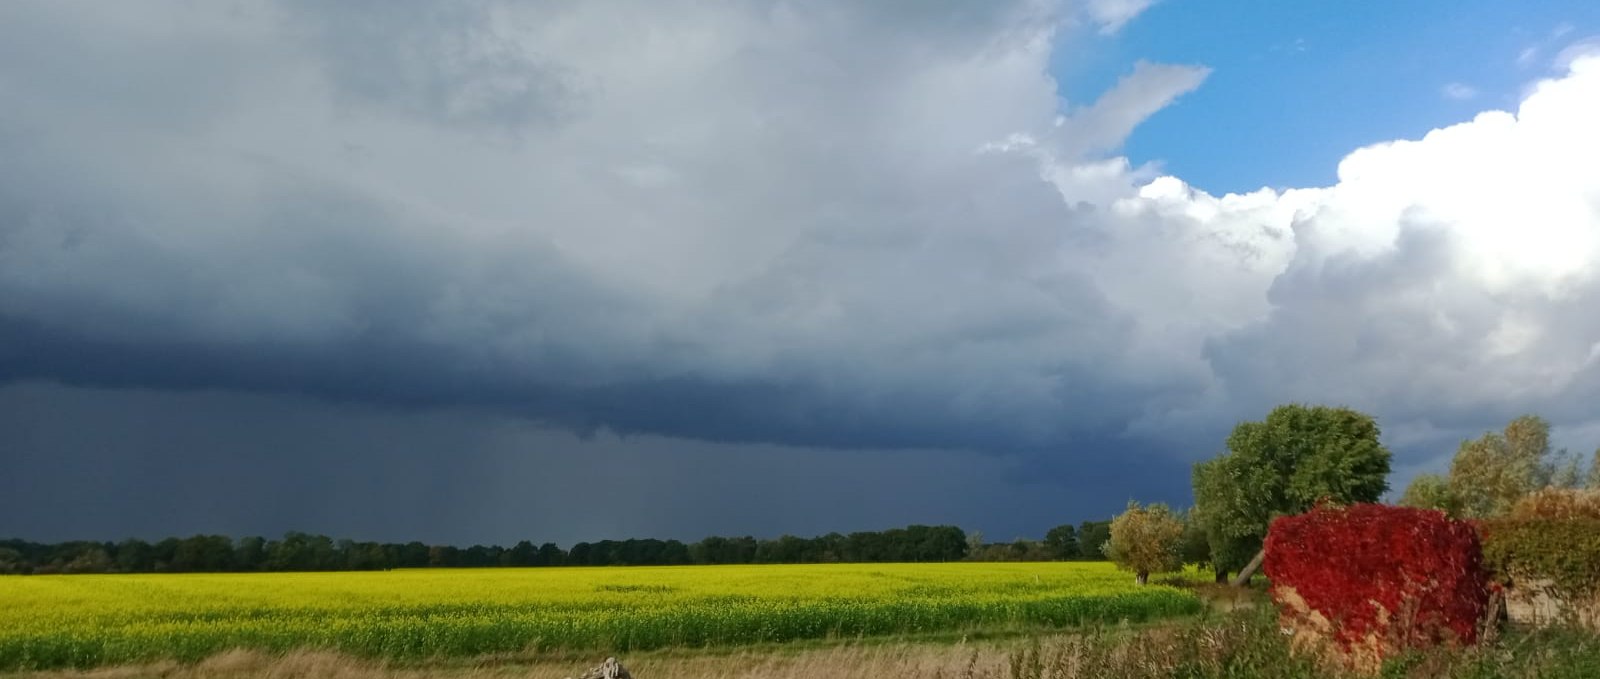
(1250, 569)
(1142, 577)
(1222, 575)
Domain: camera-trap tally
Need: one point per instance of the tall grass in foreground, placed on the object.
(86, 621)
(1250, 645)
(1244, 645)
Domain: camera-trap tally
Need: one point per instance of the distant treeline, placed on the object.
(306, 552)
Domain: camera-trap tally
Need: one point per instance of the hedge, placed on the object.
(1564, 552)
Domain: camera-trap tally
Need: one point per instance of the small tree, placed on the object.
(1431, 491)
(1593, 482)
(974, 544)
(1146, 540)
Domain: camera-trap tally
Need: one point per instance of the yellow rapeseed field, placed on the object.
(88, 620)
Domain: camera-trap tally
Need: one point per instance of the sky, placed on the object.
(562, 271)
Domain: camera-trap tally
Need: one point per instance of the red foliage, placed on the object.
(1404, 576)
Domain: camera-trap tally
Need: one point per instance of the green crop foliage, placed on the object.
(90, 620)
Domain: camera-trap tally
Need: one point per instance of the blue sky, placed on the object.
(1297, 85)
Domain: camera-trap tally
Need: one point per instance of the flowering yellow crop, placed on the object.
(86, 620)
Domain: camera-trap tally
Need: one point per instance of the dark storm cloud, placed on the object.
(382, 373)
(865, 234)
(679, 288)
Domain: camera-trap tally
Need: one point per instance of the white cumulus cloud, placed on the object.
(1444, 278)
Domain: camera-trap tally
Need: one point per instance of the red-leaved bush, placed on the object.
(1380, 577)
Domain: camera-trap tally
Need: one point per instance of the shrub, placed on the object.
(1549, 551)
(1553, 536)
(1378, 579)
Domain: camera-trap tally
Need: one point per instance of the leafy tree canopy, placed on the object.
(1284, 465)
(1146, 540)
(1491, 473)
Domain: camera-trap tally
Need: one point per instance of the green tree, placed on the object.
(1062, 542)
(1593, 482)
(301, 552)
(448, 556)
(1195, 548)
(133, 556)
(1490, 473)
(90, 560)
(1565, 471)
(250, 553)
(1229, 547)
(523, 554)
(1285, 464)
(412, 554)
(1146, 540)
(204, 554)
(551, 555)
(1431, 491)
(11, 561)
(161, 554)
(1092, 538)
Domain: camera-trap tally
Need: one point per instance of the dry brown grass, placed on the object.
(846, 662)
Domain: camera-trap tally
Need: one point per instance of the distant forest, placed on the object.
(306, 552)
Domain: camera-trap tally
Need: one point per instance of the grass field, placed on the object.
(90, 620)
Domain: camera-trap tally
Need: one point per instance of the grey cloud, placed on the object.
(826, 260)
(444, 63)
(139, 69)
